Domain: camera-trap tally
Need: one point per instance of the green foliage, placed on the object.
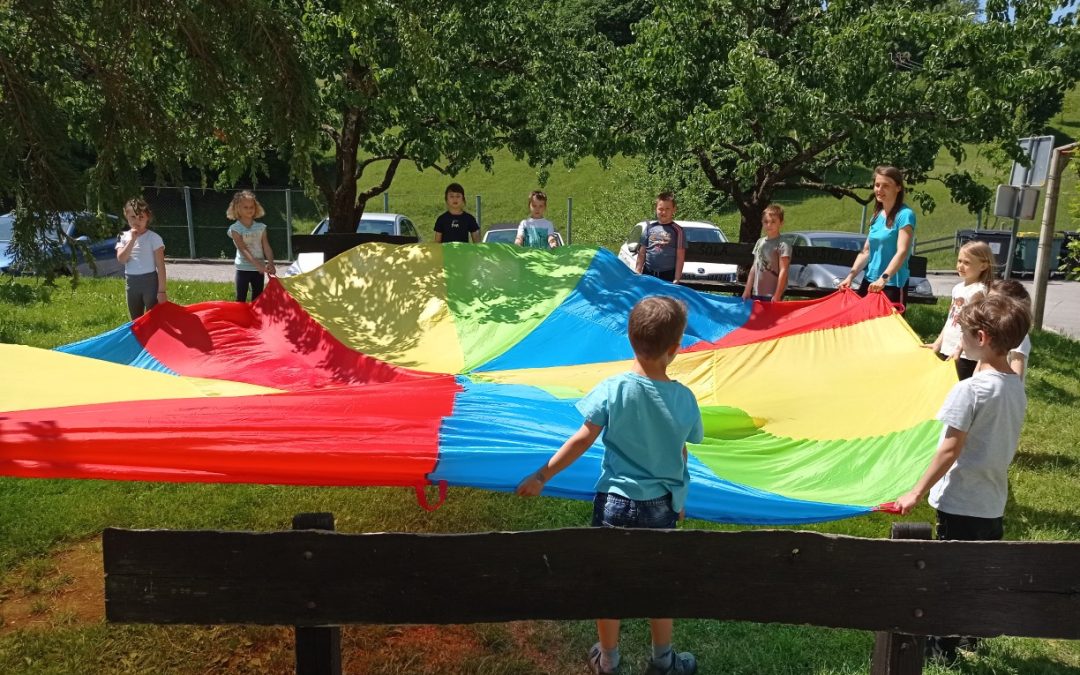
(434, 83)
(755, 101)
(91, 92)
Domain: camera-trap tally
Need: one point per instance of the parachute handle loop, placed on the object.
(422, 499)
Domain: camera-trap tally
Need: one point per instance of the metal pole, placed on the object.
(862, 220)
(386, 202)
(978, 221)
(1007, 274)
(288, 224)
(479, 212)
(569, 219)
(190, 221)
(1058, 160)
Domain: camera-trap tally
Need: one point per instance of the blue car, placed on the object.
(82, 227)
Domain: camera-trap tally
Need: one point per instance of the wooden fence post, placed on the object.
(318, 650)
(898, 653)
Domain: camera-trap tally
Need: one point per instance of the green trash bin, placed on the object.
(1027, 252)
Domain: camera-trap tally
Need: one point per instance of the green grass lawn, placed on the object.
(42, 519)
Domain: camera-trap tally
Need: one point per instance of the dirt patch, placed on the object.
(66, 588)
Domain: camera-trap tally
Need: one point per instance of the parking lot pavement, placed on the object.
(200, 270)
(1061, 313)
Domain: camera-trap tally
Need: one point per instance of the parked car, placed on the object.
(370, 223)
(506, 233)
(86, 229)
(830, 276)
(377, 223)
(695, 231)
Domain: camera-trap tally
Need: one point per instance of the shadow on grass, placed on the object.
(1056, 354)
(22, 294)
(1047, 463)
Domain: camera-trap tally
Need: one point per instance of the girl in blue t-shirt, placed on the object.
(888, 245)
(254, 257)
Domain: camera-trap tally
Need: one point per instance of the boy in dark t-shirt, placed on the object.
(455, 224)
(662, 248)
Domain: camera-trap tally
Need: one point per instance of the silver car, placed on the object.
(829, 276)
(377, 223)
(506, 233)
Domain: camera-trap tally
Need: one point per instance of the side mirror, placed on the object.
(83, 239)
(633, 248)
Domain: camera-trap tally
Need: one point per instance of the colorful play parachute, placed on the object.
(460, 365)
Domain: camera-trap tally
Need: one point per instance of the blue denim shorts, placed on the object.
(611, 510)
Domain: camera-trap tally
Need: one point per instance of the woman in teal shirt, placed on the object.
(888, 245)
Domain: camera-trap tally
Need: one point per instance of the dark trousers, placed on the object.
(895, 294)
(965, 368)
(951, 527)
(666, 275)
(248, 279)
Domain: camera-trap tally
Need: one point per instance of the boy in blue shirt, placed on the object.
(646, 419)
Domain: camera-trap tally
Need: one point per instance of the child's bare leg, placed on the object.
(608, 630)
(604, 655)
(662, 631)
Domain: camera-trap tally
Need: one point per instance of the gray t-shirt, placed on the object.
(990, 407)
(767, 254)
(661, 243)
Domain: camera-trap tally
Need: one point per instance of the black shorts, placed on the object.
(666, 275)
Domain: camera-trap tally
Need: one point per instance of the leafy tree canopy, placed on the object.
(757, 98)
(92, 91)
(435, 83)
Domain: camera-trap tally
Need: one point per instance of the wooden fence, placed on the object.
(312, 579)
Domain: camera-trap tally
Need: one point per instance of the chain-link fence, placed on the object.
(193, 224)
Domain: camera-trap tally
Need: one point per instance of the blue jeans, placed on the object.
(611, 510)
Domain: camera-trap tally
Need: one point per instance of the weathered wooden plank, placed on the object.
(897, 653)
(318, 648)
(322, 578)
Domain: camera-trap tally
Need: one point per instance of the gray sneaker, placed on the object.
(594, 662)
(682, 663)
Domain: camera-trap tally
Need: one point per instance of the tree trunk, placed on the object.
(343, 207)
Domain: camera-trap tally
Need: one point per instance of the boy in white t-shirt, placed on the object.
(1019, 355)
(968, 478)
(536, 231)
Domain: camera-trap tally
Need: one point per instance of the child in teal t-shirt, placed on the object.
(646, 419)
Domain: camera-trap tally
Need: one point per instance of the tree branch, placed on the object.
(838, 191)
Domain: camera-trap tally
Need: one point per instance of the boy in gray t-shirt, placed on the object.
(772, 258)
(968, 478)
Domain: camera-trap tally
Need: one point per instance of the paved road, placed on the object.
(1062, 313)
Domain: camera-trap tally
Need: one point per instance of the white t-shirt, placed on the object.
(536, 232)
(142, 253)
(961, 295)
(990, 407)
(1023, 350)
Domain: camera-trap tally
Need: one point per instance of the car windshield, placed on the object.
(375, 226)
(846, 243)
(365, 226)
(706, 235)
(7, 224)
(500, 236)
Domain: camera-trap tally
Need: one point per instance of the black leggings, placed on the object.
(248, 279)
